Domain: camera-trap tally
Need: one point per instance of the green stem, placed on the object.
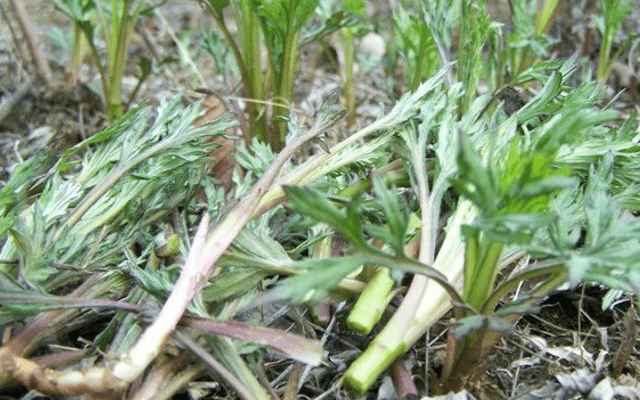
(422, 51)
(418, 312)
(484, 278)
(77, 52)
(117, 56)
(249, 63)
(284, 88)
(348, 76)
(254, 85)
(416, 267)
(557, 270)
(470, 260)
(546, 16)
(371, 303)
(604, 59)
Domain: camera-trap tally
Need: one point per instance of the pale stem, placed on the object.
(199, 266)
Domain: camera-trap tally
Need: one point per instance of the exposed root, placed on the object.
(95, 381)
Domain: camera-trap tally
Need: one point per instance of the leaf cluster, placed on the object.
(514, 180)
(595, 234)
(129, 177)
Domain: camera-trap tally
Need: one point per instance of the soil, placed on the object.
(571, 339)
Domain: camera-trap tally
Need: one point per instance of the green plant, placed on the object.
(356, 8)
(278, 26)
(546, 15)
(475, 28)
(423, 39)
(101, 228)
(108, 226)
(510, 174)
(609, 25)
(529, 41)
(117, 20)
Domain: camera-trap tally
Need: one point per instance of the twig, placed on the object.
(218, 368)
(10, 26)
(323, 340)
(514, 385)
(183, 51)
(42, 65)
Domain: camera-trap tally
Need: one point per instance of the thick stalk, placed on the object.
(462, 357)
(391, 342)
(370, 306)
(422, 50)
(284, 88)
(348, 76)
(484, 278)
(466, 355)
(470, 263)
(254, 85)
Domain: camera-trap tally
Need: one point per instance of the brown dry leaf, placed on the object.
(224, 163)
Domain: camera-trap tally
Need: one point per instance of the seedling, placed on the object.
(279, 27)
(609, 25)
(135, 158)
(508, 181)
(116, 19)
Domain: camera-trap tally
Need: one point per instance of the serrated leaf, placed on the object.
(396, 218)
(321, 275)
(233, 284)
(480, 323)
(541, 103)
(314, 204)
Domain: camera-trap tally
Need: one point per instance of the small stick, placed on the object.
(42, 65)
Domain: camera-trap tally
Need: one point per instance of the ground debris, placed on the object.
(590, 385)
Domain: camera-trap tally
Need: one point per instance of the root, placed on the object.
(95, 381)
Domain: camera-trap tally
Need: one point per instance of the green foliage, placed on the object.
(138, 172)
(610, 249)
(282, 25)
(318, 276)
(528, 42)
(553, 179)
(614, 12)
(350, 224)
(117, 20)
(280, 21)
(475, 28)
(310, 202)
(397, 219)
(415, 46)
